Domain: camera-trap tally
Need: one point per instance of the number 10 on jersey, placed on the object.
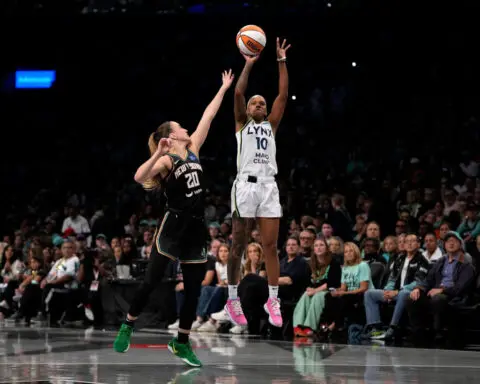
(262, 143)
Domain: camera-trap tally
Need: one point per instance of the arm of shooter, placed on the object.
(278, 107)
(239, 105)
(200, 134)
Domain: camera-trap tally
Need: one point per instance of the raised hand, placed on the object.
(227, 78)
(282, 48)
(251, 59)
(164, 145)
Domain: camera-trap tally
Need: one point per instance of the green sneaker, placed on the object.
(184, 352)
(122, 342)
(376, 334)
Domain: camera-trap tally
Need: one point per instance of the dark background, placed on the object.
(119, 75)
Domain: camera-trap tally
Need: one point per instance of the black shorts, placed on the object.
(181, 237)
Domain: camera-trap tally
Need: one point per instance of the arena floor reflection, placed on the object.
(40, 355)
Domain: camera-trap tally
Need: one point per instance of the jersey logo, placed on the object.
(259, 131)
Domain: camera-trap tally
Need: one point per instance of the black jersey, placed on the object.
(184, 185)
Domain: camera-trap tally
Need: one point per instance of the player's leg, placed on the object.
(155, 271)
(269, 233)
(241, 227)
(162, 253)
(269, 214)
(243, 214)
(193, 275)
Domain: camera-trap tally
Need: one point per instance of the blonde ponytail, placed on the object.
(152, 145)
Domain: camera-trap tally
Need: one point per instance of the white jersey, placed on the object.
(256, 150)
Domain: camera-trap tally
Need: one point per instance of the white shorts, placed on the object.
(252, 200)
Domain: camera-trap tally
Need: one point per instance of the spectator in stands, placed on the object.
(305, 222)
(359, 228)
(327, 230)
(213, 250)
(80, 244)
(255, 262)
(326, 274)
(390, 249)
(11, 270)
(469, 229)
(147, 243)
(409, 269)
(371, 251)
(129, 252)
(373, 230)
(448, 282)
(401, 242)
(101, 242)
(432, 251)
(61, 276)
(345, 301)
(131, 227)
(335, 244)
(255, 236)
(444, 228)
(213, 298)
(307, 237)
(214, 230)
(340, 218)
(76, 222)
(29, 290)
(401, 227)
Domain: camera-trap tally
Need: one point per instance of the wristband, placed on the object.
(281, 59)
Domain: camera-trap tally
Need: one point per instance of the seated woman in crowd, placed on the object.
(29, 290)
(11, 273)
(344, 302)
(326, 274)
(212, 298)
(335, 244)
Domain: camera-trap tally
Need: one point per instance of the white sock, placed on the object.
(273, 291)
(232, 292)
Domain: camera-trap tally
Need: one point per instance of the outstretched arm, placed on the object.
(240, 106)
(278, 107)
(200, 134)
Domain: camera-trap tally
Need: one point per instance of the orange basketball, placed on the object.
(251, 40)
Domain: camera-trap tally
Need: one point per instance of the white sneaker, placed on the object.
(208, 326)
(221, 316)
(174, 326)
(89, 314)
(196, 324)
(238, 330)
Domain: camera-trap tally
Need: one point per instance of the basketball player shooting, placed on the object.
(255, 193)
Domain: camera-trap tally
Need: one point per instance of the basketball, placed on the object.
(251, 40)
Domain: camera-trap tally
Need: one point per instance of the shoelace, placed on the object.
(237, 307)
(275, 304)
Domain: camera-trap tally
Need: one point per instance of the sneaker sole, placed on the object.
(125, 351)
(189, 363)
(270, 318)
(233, 321)
(379, 337)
